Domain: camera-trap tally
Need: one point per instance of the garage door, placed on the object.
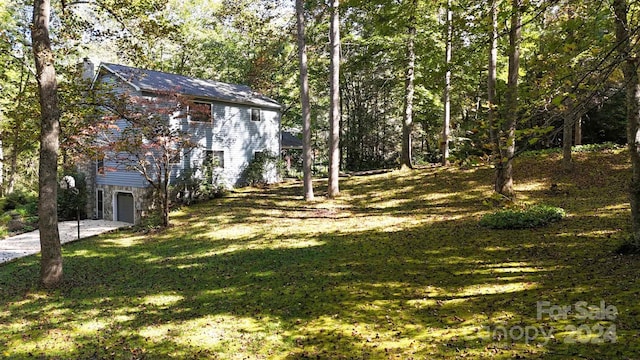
(125, 207)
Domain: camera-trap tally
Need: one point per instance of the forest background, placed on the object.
(568, 71)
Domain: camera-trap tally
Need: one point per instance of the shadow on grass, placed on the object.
(257, 277)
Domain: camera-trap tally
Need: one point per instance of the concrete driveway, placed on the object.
(29, 243)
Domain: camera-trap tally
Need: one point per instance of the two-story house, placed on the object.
(233, 124)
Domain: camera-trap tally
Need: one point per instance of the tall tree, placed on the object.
(504, 166)
(407, 124)
(632, 85)
(51, 252)
(568, 118)
(334, 110)
(446, 126)
(493, 79)
(567, 136)
(306, 107)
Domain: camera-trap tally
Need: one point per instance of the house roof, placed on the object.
(289, 141)
(155, 81)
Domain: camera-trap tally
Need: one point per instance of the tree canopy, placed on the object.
(396, 81)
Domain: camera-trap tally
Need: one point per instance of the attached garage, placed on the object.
(125, 208)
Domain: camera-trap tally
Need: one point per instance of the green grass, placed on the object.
(396, 268)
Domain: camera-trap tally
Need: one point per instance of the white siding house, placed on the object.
(234, 124)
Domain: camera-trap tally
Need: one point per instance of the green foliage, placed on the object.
(629, 247)
(597, 147)
(72, 200)
(530, 217)
(586, 148)
(19, 212)
(152, 221)
(260, 169)
(21, 199)
(189, 189)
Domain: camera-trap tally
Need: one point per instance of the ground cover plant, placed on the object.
(529, 217)
(398, 267)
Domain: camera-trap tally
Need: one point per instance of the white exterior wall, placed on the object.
(233, 132)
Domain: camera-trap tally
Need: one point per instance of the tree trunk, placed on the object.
(569, 114)
(630, 70)
(567, 140)
(504, 169)
(407, 123)
(578, 132)
(165, 191)
(51, 252)
(334, 112)
(305, 103)
(446, 127)
(492, 81)
(13, 165)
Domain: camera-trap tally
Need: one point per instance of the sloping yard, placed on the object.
(397, 268)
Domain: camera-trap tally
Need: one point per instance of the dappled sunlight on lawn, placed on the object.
(395, 267)
(489, 289)
(222, 333)
(259, 244)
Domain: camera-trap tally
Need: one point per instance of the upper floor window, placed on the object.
(199, 111)
(256, 115)
(100, 165)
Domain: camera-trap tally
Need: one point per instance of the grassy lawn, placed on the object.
(396, 268)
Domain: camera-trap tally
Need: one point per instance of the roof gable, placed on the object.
(157, 81)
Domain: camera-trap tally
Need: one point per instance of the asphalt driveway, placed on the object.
(29, 243)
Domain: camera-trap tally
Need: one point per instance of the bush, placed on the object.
(189, 189)
(531, 217)
(20, 213)
(21, 199)
(629, 248)
(258, 170)
(586, 148)
(72, 200)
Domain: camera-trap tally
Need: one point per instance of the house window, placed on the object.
(256, 115)
(99, 204)
(214, 158)
(100, 165)
(200, 112)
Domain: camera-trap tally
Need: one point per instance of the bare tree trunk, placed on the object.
(578, 132)
(306, 107)
(567, 139)
(13, 168)
(334, 112)
(504, 169)
(166, 174)
(569, 114)
(446, 127)
(51, 252)
(492, 81)
(630, 70)
(407, 123)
